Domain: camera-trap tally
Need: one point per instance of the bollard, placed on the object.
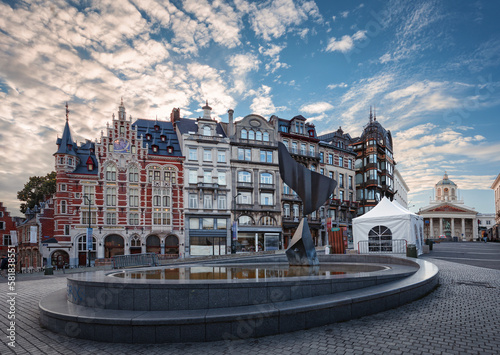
(411, 251)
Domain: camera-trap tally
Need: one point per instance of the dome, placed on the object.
(446, 181)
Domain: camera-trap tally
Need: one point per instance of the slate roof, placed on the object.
(187, 125)
(144, 127)
(66, 144)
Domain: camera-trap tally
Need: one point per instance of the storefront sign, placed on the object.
(89, 239)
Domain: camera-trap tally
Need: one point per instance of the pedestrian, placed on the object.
(4, 265)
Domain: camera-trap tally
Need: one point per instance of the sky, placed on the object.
(430, 68)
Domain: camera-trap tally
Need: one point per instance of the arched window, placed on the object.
(266, 137)
(82, 243)
(207, 131)
(251, 134)
(135, 242)
(258, 136)
(243, 134)
(245, 221)
(266, 178)
(380, 239)
(286, 210)
(244, 176)
(111, 173)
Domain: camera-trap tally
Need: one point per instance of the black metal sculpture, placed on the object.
(314, 190)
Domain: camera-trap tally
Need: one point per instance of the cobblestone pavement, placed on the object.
(462, 316)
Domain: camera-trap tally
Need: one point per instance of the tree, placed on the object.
(36, 190)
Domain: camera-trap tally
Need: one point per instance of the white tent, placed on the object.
(386, 228)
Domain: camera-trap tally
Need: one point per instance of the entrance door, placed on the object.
(82, 258)
(113, 245)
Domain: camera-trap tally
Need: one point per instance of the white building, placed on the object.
(400, 189)
(447, 215)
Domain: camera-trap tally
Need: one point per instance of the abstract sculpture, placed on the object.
(314, 190)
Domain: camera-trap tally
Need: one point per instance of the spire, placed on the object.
(371, 114)
(121, 111)
(67, 112)
(66, 145)
(374, 113)
(206, 111)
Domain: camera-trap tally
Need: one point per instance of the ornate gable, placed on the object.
(448, 208)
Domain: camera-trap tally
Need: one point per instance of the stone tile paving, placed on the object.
(462, 316)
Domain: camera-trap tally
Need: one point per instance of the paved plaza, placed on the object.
(462, 316)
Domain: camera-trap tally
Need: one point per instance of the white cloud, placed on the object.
(334, 86)
(262, 104)
(346, 43)
(317, 107)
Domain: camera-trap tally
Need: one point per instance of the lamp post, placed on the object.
(89, 238)
(234, 232)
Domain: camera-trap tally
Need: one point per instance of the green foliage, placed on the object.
(36, 190)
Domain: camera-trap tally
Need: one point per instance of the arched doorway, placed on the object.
(135, 245)
(153, 244)
(113, 245)
(82, 250)
(59, 259)
(172, 245)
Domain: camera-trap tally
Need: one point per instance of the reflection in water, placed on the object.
(247, 272)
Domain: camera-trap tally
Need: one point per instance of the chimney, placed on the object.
(230, 125)
(175, 115)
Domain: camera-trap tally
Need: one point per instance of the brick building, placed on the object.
(127, 187)
(7, 225)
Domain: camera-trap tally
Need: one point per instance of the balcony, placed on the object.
(244, 185)
(200, 138)
(208, 186)
(263, 186)
(304, 154)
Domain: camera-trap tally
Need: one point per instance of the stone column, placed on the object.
(440, 226)
(474, 229)
(453, 227)
(431, 234)
(463, 228)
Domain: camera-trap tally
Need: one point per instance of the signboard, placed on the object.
(235, 230)
(335, 229)
(89, 239)
(329, 223)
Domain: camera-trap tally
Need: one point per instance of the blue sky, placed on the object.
(431, 69)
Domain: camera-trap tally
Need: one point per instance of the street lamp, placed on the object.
(234, 231)
(89, 238)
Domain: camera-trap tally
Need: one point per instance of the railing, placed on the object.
(133, 260)
(394, 246)
(166, 258)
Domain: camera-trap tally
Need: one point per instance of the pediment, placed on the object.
(448, 208)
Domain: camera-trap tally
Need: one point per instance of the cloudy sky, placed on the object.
(431, 68)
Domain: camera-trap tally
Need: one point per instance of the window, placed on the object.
(207, 177)
(111, 218)
(350, 196)
(322, 171)
(285, 143)
(243, 134)
(207, 154)
(111, 196)
(133, 219)
(245, 221)
(303, 149)
(349, 164)
(372, 159)
(66, 229)
(266, 137)
(221, 202)
(193, 201)
(244, 176)
(85, 218)
(111, 173)
(341, 161)
(170, 176)
(313, 167)
(266, 156)
(330, 174)
(244, 154)
(341, 195)
(63, 187)
(133, 198)
(286, 189)
(193, 176)
(286, 210)
(207, 223)
(311, 151)
(245, 198)
(207, 201)
(296, 210)
(2, 225)
(330, 159)
(267, 221)
(350, 182)
(321, 157)
(221, 178)
(295, 150)
(6, 240)
(221, 156)
(194, 223)
(133, 174)
(207, 131)
(161, 198)
(251, 135)
(258, 136)
(266, 199)
(193, 154)
(161, 217)
(380, 239)
(133, 150)
(266, 178)
(63, 207)
(341, 180)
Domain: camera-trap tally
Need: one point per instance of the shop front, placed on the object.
(252, 239)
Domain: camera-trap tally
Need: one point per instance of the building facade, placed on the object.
(400, 189)
(447, 216)
(374, 165)
(7, 226)
(495, 233)
(207, 186)
(255, 181)
(126, 187)
(337, 162)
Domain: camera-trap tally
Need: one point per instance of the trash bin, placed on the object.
(455, 239)
(49, 270)
(411, 251)
(327, 249)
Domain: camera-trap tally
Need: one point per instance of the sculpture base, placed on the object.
(301, 250)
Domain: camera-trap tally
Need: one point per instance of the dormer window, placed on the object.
(70, 161)
(170, 150)
(90, 164)
(155, 148)
(157, 128)
(243, 134)
(163, 138)
(207, 131)
(148, 136)
(251, 134)
(258, 136)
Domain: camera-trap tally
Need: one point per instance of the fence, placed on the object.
(394, 246)
(122, 261)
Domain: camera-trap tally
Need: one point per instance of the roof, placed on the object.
(187, 125)
(386, 209)
(446, 181)
(144, 127)
(66, 144)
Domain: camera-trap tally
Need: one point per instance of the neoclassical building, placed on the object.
(447, 215)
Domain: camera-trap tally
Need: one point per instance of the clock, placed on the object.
(121, 145)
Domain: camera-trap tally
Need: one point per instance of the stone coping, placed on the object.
(237, 322)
